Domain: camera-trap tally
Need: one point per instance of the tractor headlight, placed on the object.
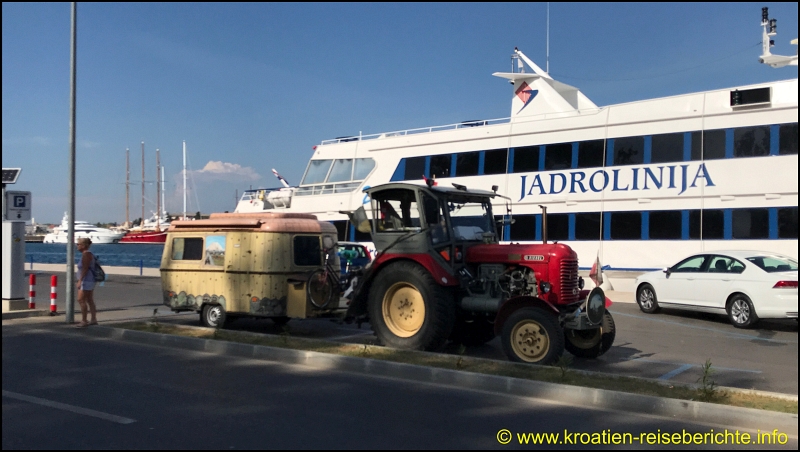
(580, 283)
(545, 287)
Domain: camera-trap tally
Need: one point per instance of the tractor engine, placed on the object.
(494, 284)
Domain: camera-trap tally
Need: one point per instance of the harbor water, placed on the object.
(111, 255)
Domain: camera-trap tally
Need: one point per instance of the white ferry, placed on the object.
(642, 184)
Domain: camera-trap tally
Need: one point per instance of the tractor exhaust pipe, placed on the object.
(544, 224)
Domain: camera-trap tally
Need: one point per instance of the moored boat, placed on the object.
(82, 229)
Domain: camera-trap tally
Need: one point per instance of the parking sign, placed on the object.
(18, 205)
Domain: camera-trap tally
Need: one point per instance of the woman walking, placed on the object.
(86, 282)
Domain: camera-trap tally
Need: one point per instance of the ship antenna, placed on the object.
(547, 63)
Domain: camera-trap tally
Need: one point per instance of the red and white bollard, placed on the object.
(32, 292)
(53, 284)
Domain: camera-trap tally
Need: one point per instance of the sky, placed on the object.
(251, 87)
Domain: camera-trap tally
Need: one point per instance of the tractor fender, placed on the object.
(513, 304)
(358, 307)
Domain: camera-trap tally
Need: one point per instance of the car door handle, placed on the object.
(727, 280)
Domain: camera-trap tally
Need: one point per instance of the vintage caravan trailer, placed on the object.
(255, 264)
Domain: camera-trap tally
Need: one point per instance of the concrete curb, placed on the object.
(25, 313)
(728, 416)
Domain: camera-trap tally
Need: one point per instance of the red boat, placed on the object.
(144, 237)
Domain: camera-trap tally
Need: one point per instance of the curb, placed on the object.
(26, 313)
(727, 416)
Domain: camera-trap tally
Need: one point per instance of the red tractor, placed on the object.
(441, 274)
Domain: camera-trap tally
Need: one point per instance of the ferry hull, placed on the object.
(145, 237)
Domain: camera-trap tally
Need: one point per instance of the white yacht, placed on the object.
(83, 229)
(640, 184)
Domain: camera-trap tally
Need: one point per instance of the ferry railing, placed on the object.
(464, 124)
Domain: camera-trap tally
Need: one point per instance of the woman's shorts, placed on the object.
(87, 285)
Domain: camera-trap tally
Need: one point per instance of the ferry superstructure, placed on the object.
(642, 184)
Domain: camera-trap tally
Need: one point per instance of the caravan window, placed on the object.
(307, 250)
(187, 249)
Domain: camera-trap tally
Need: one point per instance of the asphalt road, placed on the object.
(63, 389)
(671, 345)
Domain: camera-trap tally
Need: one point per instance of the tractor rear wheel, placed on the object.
(532, 335)
(591, 343)
(409, 310)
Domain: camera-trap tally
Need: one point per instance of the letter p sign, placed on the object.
(18, 206)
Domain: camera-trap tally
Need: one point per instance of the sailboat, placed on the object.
(154, 229)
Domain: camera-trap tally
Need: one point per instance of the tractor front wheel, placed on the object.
(532, 335)
(591, 343)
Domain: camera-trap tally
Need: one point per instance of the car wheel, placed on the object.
(741, 312)
(213, 316)
(646, 299)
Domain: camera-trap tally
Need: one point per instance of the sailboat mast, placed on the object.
(142, 223)
(127, 186)
(158, 189)
(184, 179)
(163, 202)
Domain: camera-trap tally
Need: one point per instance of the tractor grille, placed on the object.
(569, 281)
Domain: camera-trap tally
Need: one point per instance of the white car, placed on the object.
(747, 285)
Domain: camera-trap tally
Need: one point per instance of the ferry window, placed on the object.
(524, 227)
(713, 224)
(316, 171)
(629, 151)
(187, 249)
(341, 230)
(363, 168)
(496, 161)
(751, 224)
(665, 225)
(708, 145)
(558, 227)
(788, 139)
(667, 148)
(415, 168)
(342, 170)
(626, 225)
(787, 222)
(751, 141)
(467, 163)
(363, 236)
(526, 159)
(558, 156)
(440, 165)
(307, 250)
(590, 154)
(587, 226)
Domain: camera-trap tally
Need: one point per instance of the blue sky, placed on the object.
(252, 87)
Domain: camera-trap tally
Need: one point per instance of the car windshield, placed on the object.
(773, 264)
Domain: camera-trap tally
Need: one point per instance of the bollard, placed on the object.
(53, 284)
(32, 293)
(141, 267)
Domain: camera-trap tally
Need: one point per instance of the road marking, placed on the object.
(733, 335)
(677, 371)
(66, 407)
(733, 369)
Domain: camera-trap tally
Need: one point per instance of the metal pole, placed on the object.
(70, 312)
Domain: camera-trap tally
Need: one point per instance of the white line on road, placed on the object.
(65, 407)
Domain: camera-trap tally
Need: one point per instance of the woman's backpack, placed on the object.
(97, 271)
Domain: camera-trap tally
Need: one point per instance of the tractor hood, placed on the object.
(517, 253)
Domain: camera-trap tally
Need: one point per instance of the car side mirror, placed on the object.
(667, 270)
